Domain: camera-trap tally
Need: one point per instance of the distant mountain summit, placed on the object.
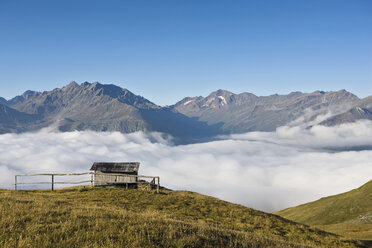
(74, 97)
(247, 112)
(26, 95)
(3, 101)
(88, 106)
(99, 107)
(107, 107)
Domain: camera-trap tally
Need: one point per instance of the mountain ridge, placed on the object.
(246, 112)
(107, 107)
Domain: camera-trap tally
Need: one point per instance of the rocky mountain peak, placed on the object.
(29, 93)
(71, 87)
(85, 84)
(220, 92)
(73, 98)
(347, 93)
(3, 101)
(295, 93)
(217, 99)
(26, 95)
(72, 84)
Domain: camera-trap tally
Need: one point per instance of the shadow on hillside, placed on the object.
(185, 129)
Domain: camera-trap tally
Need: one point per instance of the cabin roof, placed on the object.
(125, 167)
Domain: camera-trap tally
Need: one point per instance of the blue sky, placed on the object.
(165, 50)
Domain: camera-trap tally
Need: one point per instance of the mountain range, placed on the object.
(100, 107)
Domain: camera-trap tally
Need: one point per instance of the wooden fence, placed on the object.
(53, 176)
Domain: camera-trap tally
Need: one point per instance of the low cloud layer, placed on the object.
(265, 170)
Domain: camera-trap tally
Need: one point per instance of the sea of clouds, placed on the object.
(265, 170)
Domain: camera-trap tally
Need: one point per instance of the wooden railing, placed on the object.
(52, 182)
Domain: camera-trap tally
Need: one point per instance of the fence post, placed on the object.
(52, 181)
(91, 180)
(158, 186)
(15, 182)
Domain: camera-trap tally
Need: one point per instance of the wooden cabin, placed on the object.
(115, 174)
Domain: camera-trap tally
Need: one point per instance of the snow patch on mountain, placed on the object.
(223, 100)
(188, 102)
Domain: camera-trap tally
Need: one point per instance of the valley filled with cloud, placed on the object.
(265, 170)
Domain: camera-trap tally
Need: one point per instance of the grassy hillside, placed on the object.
(349, 214)
(79, 217)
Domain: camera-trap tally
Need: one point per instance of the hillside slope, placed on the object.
(352, 115)
(12, 120)
(362, 111)
(349, 213)
(101, 217)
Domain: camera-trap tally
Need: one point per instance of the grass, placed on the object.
(112, 217)
(348, 214)
(356, 230)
